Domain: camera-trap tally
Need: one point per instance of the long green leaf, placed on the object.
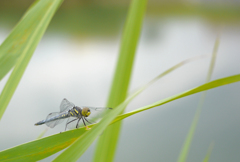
(42, 134)
(204, 87)
(45, 147)
(186, 146)
(106, 145)
(209, 152)
(19, 46)
(173, 68)
(42, 148)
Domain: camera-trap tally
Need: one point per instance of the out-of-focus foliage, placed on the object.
(17, 49)
(189, 138)
(107, 142)
(106, 17)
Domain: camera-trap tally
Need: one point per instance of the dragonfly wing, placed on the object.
(66, 105)
(97, 113)
(53, 123)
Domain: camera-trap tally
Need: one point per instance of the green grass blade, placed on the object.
(42, 134)
(213, 60)
(174, 68)
(204, 87)
(19, 46)
(42, 148)
(185, 149)
(207, 157)
(106, 145)
(186, 146)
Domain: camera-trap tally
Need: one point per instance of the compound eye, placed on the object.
(88, 113)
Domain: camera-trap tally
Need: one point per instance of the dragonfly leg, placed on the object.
(87, 128)
(78, 122)
(84, 123)
(88, 121)
(68, 123)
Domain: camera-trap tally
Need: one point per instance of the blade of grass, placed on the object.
(42, 134)
(173, 68)
(204, 87)
(207, 157)
(107, 142)
(21, 43)
(186, 146)
(42, 148)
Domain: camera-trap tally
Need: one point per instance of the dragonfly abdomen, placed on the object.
(53, 118)
(40, 122)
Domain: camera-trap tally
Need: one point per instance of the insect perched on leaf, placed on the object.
(75, 114)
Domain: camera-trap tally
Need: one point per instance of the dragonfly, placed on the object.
(75, 114)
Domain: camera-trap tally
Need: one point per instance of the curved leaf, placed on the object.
(204, 87)
(42, 148)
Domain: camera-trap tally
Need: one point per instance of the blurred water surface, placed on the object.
(81, 70)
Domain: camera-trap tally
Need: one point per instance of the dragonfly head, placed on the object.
(86, 112)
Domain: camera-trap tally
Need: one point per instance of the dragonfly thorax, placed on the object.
(77, 111)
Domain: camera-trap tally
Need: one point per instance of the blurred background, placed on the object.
(76, 60)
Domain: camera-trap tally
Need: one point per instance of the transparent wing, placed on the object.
(66, 105)
(53, 123)
(97, 113)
